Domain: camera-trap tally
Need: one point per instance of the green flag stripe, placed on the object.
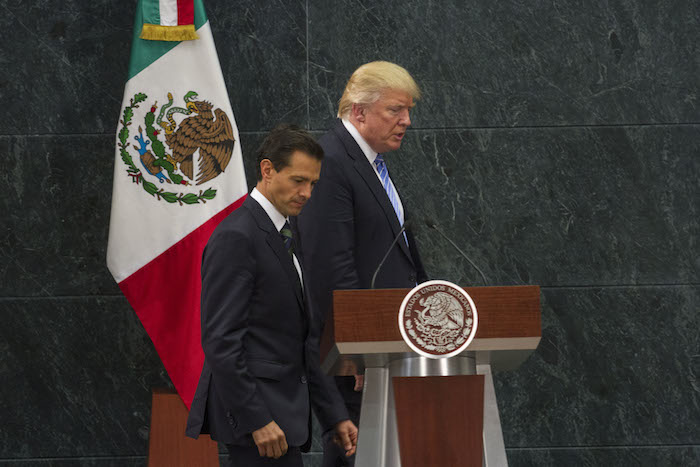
(151, 11)
(143, 52)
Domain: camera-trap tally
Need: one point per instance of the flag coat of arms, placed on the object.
(178, 172)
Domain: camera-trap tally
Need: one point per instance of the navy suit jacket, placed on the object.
(259, 339)
(348, 225)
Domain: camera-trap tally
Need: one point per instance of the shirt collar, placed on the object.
(370, 153)
(275, 216)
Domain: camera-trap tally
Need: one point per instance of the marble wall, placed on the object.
(557, 142)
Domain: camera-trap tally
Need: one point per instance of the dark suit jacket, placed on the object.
(260, 343)
(348, 225)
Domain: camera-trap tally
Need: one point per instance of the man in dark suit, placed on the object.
(261, 371)
(356, 211)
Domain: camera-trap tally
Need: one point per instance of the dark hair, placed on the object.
(282, 142)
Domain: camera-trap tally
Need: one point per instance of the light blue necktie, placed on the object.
(388, 187)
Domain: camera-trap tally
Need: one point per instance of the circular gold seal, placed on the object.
(438, 319)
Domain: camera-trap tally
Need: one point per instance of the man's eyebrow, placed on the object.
(401, 104)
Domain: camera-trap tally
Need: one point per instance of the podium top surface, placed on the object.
(365, 322)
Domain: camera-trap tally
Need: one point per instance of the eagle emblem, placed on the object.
(176, 155)
(442, 311)
(438, 319)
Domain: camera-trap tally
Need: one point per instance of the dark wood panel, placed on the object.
(440, 420)
(167, 443)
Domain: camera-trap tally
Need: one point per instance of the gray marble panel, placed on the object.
(77, 376)
(514, 63)
(316, 435)
(63, 69)
(556, 206)
(617, 366)
(66, 67)
(56, 194)
(619, 456)
(262, 50)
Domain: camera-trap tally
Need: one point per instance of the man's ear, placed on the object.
(266, 168)
(358, 112)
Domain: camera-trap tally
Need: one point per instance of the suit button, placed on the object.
(303, 380)
(412, 278)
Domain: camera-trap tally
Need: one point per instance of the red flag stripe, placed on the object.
(165, 294)
(185, 12)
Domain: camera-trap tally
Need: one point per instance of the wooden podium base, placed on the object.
(167, 444)
(420, 412)
(440, 420)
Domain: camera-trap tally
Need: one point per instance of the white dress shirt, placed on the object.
(371, 155)
(278, 219)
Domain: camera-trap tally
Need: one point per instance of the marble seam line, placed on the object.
(609, 448)
(542, 287)
(414, 129)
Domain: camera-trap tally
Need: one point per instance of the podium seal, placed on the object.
(438, 319)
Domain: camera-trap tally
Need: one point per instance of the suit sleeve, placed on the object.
(326, 400)
(228, 268)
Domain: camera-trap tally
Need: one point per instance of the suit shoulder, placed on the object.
(330, 137)
(332, 145)
(335, 155)
(233, 242)
(238, 224)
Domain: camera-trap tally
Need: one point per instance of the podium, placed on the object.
(418, 411)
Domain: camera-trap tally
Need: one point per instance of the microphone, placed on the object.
(386, 255)
(433, 225)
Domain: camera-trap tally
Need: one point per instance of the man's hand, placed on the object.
(346, 436)
(271, 441)
(359, 383)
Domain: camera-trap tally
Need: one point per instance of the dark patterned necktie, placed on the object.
(287, 238)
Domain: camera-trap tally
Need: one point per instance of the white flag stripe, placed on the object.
(168, 12)
(141, 226)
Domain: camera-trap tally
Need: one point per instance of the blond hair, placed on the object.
(367, 83)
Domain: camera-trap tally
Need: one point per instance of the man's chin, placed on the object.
(295, 210)
(393, 146)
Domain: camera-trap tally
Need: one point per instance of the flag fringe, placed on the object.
(156, 32)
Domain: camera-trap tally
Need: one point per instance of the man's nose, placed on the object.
(405, 118)
(306, 190)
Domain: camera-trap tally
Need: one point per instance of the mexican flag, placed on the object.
(178, 172)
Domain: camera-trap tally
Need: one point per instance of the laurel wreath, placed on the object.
(461, 337)
(135, 173)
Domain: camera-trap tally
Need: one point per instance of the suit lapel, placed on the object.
(274, 240)
(364, 168)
